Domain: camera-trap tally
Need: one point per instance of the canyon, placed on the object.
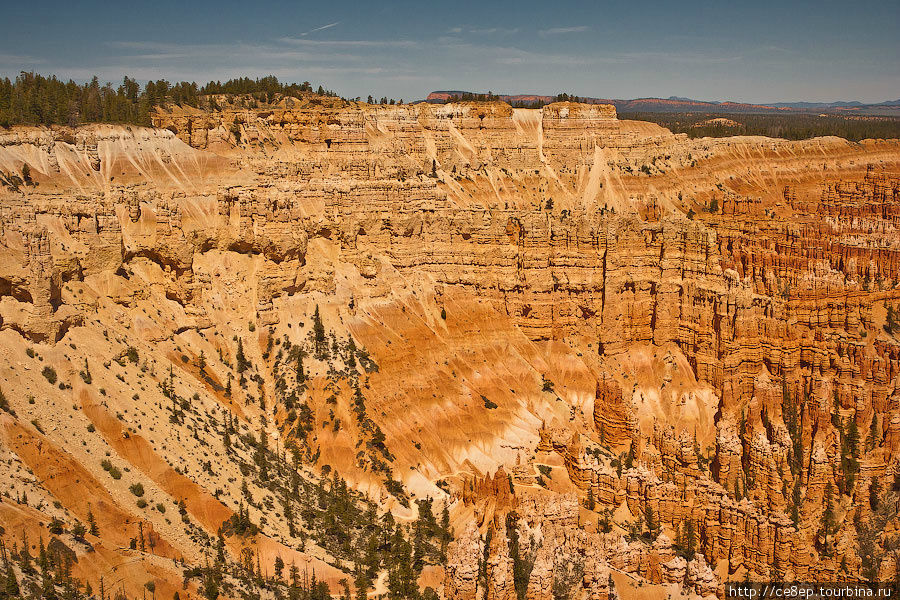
(628, 364)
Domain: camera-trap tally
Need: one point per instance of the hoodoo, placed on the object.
(495, 352)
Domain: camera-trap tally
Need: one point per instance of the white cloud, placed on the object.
(690, 58)
(494, 31)
(322, 28)
(483, 30)
(19, 59)
(361, 43)
(562, 30)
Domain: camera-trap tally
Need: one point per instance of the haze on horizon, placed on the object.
(749, 52)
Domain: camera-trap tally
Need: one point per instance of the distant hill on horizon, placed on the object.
(679, 104)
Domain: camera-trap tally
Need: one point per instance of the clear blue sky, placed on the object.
(726, 50)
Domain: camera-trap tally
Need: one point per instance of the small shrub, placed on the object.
(79, 531)
(132, 354)
(50, 374)
(137, 489)
(56, 526)
(141, 503)
(85, 374)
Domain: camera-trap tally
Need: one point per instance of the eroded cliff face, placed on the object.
(680, 351)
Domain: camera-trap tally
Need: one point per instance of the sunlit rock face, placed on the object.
(658, 359)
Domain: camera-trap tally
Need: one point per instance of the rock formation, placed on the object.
(671, 360)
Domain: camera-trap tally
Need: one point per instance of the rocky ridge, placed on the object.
(685, 329)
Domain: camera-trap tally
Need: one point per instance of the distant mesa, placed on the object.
(680, 104)
(718, 122)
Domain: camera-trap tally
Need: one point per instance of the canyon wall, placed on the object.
(686, 329)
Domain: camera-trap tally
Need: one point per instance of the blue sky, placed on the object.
(745, 51)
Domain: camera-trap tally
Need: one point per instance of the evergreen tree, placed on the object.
(873, 438)
(688, 541)
(446, 534)
(239, 357)
(828, 517)
(874, 494)
(853, 438)
(523, 563)
(319, 334)
(12, 585)
(651, 522)
(301, 374)
(402, 577)
(92, 524)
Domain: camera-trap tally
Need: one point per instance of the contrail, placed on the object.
(329, 26)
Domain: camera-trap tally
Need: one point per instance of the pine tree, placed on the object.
(240, 359)
(828, 516)
(522, 564)
(650, 519)
(92, 524)
(43, 560)
(301, 374)
(24, 556)
(849, 453)
(853, 438)
(688, 541)
(12, 584)
(210, 587)
(220, 549)
(361, 583)
(874, 494)
(4, 403)
(872, 440)
(446, 534)
(590, 504)
(319, 333)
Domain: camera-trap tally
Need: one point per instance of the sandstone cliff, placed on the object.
(693, 334)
